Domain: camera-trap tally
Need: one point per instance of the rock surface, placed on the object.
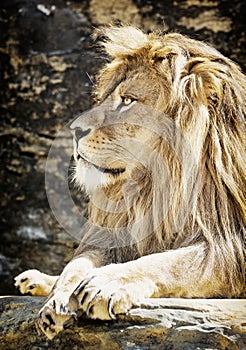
(170, 324)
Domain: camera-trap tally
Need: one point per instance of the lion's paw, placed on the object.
(58, 313)
(34, 282)
(101, 301)
(104, 295)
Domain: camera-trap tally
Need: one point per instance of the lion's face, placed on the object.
(116, 137)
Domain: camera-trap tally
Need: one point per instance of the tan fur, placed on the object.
(171, 219)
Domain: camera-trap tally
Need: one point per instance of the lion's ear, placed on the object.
(216, 83)
(203, 80)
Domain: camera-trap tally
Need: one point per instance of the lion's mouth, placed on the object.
(112, 171)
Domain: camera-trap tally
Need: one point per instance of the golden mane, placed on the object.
(206, 99)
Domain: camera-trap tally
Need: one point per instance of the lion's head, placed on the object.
(161, 153)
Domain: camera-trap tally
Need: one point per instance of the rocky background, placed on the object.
(48, 65)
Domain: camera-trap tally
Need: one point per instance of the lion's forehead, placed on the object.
(138, 84)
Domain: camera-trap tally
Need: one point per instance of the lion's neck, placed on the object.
(111, 206)
(134, 214)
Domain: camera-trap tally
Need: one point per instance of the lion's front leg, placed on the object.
(114, 289)
(61, 306)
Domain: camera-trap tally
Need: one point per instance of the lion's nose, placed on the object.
(79, 133)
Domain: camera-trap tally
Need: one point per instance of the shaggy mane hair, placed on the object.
(204, 94)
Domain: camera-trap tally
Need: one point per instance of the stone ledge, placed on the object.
(157, 324)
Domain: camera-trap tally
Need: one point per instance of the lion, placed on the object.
(161, 158)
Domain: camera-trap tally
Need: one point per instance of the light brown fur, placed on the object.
(172, 220)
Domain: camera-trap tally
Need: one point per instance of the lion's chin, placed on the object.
(91, 176)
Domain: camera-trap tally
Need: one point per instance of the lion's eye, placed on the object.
(127, 100)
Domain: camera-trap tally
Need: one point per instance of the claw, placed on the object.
(84, 298)
(22, 280)
(50, 319)
(110, 309)
(92, 301)
(89, 312)
(32, 286)
(82, 286)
